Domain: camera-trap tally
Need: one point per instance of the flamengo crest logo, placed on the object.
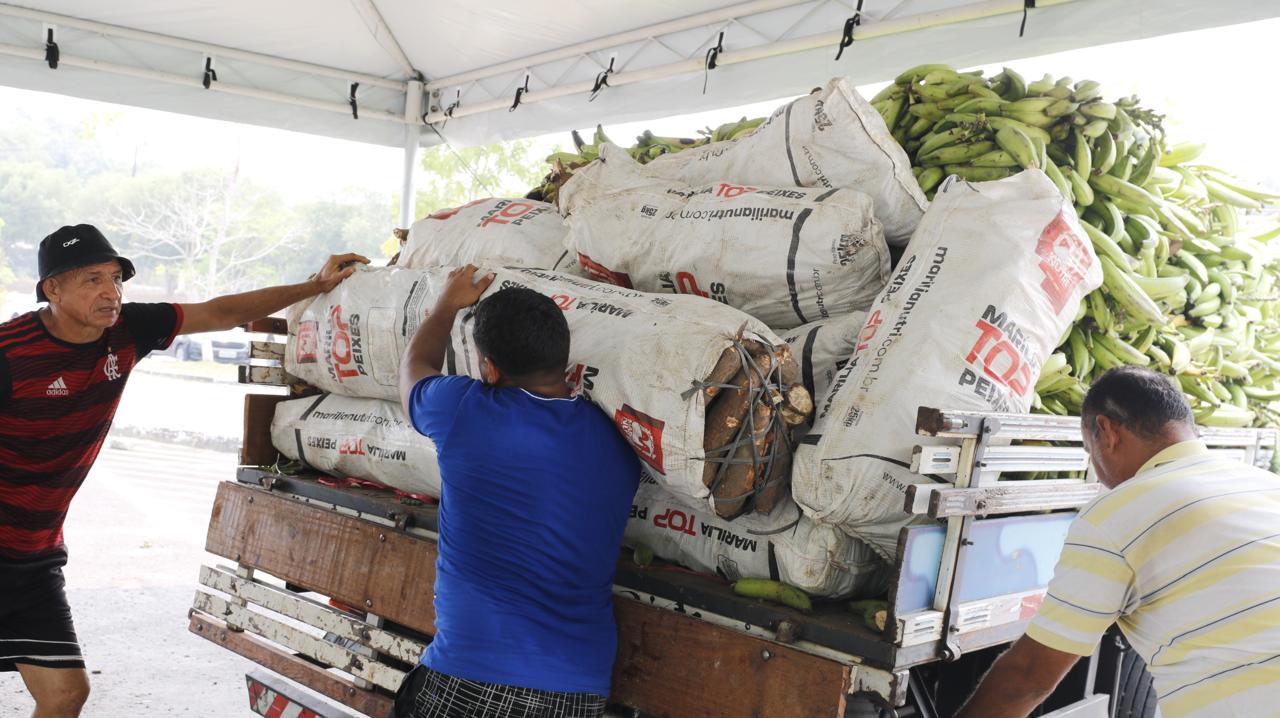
(643, 432)
(112, 367)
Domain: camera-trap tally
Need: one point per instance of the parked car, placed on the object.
(227, 347)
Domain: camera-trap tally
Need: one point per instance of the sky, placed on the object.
(1212, 84)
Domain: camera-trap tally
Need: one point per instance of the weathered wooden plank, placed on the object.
(313, 613)
(326, 652)
(359, 563)
(291, 667)
(671, 665)
(256, 448)
(268, 325)
(265, 375)
(266, 351)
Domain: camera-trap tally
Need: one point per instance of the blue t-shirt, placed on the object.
(535, 496)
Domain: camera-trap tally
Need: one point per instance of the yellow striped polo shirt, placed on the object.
(1185, 557)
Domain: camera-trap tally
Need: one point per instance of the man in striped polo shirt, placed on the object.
(1183, 553)
(62, 370)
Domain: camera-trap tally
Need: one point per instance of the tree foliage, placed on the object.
(456, 176)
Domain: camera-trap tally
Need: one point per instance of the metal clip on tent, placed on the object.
(210, 74)
(1027, 5)
(355, 109)
(712, 55)
(448, 111)
(51, 51)
(846, 36)
(520, 92)
(602, 81)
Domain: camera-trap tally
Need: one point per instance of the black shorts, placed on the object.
(431, 694)
(35, 619)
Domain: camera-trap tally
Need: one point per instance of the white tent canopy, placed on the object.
(385, 71)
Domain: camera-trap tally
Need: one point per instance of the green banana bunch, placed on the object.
(1188, 289)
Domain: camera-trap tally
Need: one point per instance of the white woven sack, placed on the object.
(496, 232)
(361, 438)
(822, 348)
(638, 356)
(786, 256)
(991, 279)
(830, 138)
(784, 546)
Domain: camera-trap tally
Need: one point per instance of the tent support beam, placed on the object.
(412, 139)
(964, 13)
(194, 82)
(383, 36)
(604, 43)
(228, 53)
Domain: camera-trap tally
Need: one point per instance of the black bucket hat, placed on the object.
(73, 247)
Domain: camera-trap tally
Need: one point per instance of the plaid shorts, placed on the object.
(432, 694)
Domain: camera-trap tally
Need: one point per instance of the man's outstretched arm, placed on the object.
(1019, 681)
(425, 355)
(232, 310)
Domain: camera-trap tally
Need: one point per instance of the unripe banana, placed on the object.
(1079, 187)
(1019, 145)
(930, 178)
(1104, 155)
(1061, 108)
(998, 123)
(1181, 153)
(1094, 128)
(1128, 295)
(775, 591)
(959, 153)
(979, 174)
(1099, 110)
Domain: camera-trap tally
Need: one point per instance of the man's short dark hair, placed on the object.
(1139, 399)
(522, 332)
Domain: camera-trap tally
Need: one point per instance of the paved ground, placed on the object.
(136, 536)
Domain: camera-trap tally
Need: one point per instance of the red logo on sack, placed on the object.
(342, 351)
(686, 283)
(1000, 359)
(1064, 259)
(580, 377)
(564, 301)
(351, 445)
(676, 520)
(869, 330)
(644, 432)
(509, 213)
(601, 273)
(451, 211)
(729, 191)
(308, 347)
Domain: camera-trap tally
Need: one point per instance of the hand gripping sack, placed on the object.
(830, 138)
(822, 349)
(784, 545)
(786, 256)
(361, 438)
(643, 358)
(494, 232)
(992, 278)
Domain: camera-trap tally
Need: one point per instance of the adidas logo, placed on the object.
(58, 388)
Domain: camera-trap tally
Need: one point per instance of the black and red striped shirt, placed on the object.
(57, 400)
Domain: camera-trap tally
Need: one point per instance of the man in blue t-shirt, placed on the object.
(537, 485)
